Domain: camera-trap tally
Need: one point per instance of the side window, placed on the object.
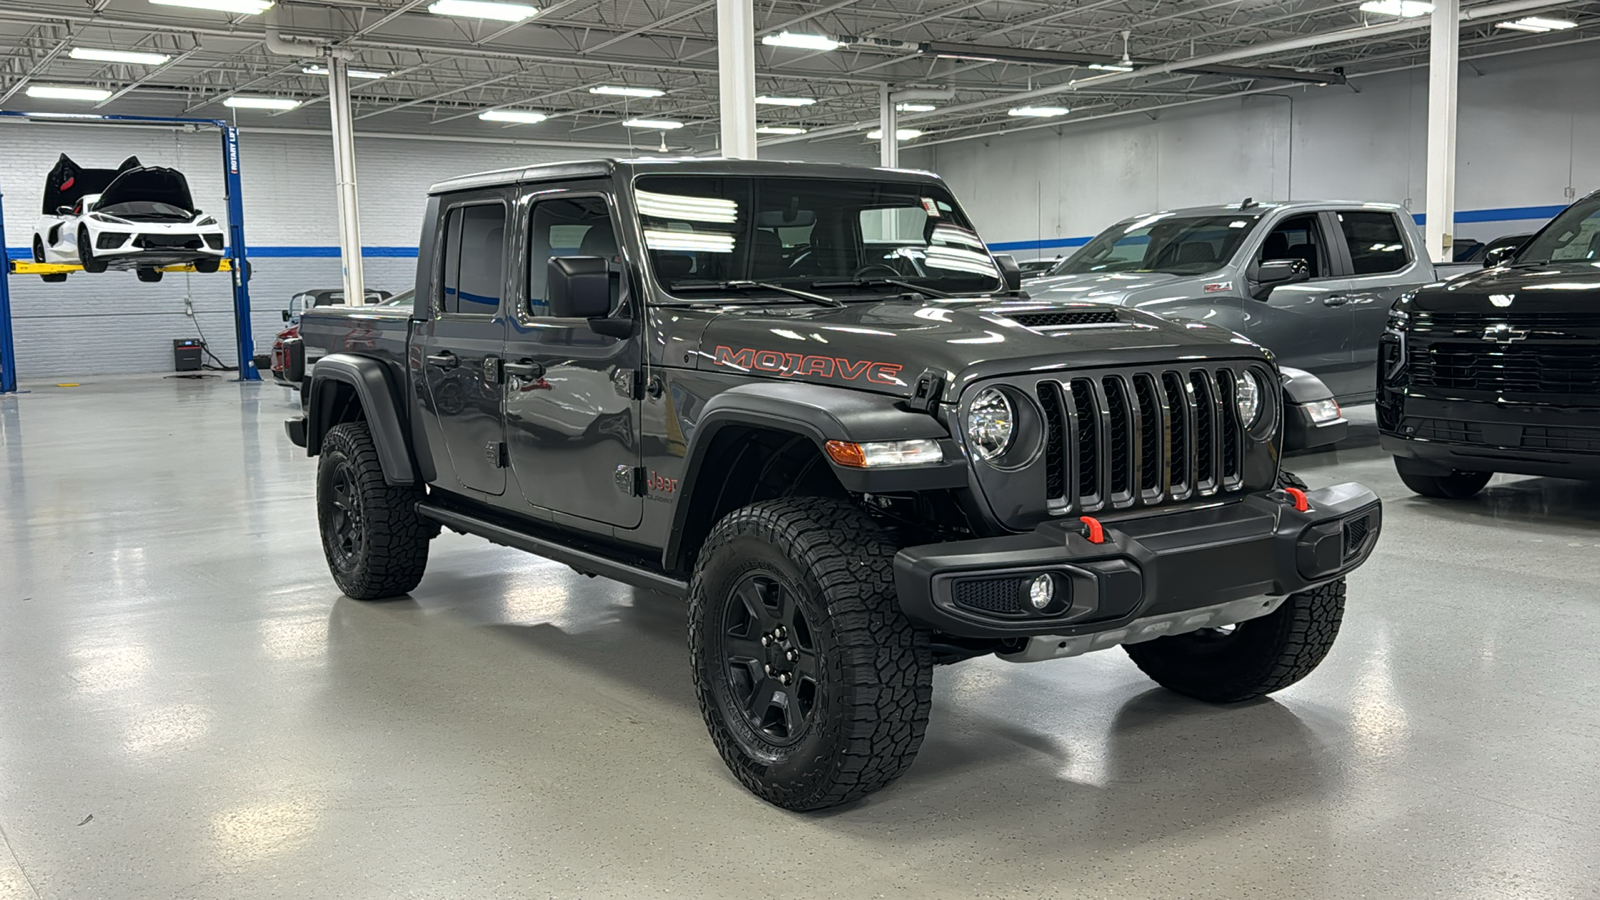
(1298, 238)
(1376, 245)
(474, 260)
(568, 226)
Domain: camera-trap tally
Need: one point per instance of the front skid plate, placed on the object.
(1046, 647)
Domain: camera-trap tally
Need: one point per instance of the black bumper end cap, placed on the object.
(296, 427)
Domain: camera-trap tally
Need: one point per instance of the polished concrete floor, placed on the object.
(189, 709)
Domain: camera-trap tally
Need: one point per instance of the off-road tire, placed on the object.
(1257, 657)
(388, 551)
(873, 669)
(1457, 485)
(207, 266)
(86, 257)
(148, 275)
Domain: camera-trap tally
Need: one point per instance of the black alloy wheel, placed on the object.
(346, 529)
(771, 660)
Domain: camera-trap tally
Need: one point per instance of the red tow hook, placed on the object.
(1092, 530)
(1301, 504)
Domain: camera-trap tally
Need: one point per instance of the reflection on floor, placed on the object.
(192, 711)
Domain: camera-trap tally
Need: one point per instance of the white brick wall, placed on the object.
(113, 323)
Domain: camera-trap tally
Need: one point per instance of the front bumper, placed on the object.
(1149, 567)
(1492, 435)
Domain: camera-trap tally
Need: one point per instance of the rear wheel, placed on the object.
(1452, 485)
(1255, 657)
(148, 274)
(86, 257)
(38, 249)
(814, 686)
(375, 543)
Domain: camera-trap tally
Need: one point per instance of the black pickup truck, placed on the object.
(1499, 371)
(808, 400)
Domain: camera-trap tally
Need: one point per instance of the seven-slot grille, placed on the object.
(1123, 439)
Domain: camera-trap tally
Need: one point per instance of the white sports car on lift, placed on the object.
(132, 217)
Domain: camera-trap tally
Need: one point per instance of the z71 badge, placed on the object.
(793, 364)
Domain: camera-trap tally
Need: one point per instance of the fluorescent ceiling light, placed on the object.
(242, 7)
(688, 241)
(900, 134)
(1538, 24)
(779, 129)
(66, 92)
(238, 101)
(1409, 9)
(119, 56)
(61, 115)
(1111, 67)
(915, 107)
(1038, 112)
(514, 116)
(785, 101)
(483, 9)
(688, 209)
(662, 124)
(624, 91)
(800, 41)
(353, 73)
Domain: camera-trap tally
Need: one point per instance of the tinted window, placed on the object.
(1376, 245)
(1298, 238)
(1572, 236)
(570, 226)
(474, 260)
(701, 231)
(1179, 245)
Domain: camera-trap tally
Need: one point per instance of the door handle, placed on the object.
(445, 360)
(525, 369)
(1336, 300)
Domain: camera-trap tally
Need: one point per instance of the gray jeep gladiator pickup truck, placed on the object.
(1310, 280)
(808, 400)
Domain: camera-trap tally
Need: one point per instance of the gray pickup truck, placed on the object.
(1310, 280)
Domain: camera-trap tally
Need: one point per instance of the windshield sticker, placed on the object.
(932, 207)
(792, 364)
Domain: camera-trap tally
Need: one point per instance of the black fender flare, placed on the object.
(820, 413)
(380, 403)
(1300, 386)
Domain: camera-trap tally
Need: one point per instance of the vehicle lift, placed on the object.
(233, 262)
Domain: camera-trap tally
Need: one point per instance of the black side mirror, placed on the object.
(1009, 270)
(285, 314)
(1276, 272)
(579, 287)
(1499, 256)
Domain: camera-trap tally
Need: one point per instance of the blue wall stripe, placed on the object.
(1040, 245)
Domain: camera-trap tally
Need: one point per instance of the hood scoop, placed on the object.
(1052, 320)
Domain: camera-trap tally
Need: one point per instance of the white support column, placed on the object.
(344, 177)
(1443, 68)
(889, 121)
(736, 75)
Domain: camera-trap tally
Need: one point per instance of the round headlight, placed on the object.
(991, 422)
(1247, 396)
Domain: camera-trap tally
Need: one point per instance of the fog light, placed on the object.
(1323, 411)
(1041, 591)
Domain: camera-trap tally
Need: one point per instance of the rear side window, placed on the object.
(474, 260)
(1376, 245)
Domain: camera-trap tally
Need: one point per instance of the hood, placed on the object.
(1100, 287)
(151, 184)
(885, 346)
(1565, 287)
(68, 182)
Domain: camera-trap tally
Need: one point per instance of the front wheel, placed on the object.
(376, 544)
(814, 686)
(1254, 657)
(86, 257)
(1454, 484)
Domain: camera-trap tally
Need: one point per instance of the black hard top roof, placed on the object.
(601, 168)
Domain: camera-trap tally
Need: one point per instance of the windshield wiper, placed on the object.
(885, 282)
(807, 296)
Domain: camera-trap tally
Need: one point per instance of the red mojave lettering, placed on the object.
(791, 364)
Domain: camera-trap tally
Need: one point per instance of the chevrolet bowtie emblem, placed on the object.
(1504, 333)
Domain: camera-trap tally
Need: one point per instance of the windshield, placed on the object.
(1177, 245)
(1572, 236)
(802, 232)
(146, 209)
